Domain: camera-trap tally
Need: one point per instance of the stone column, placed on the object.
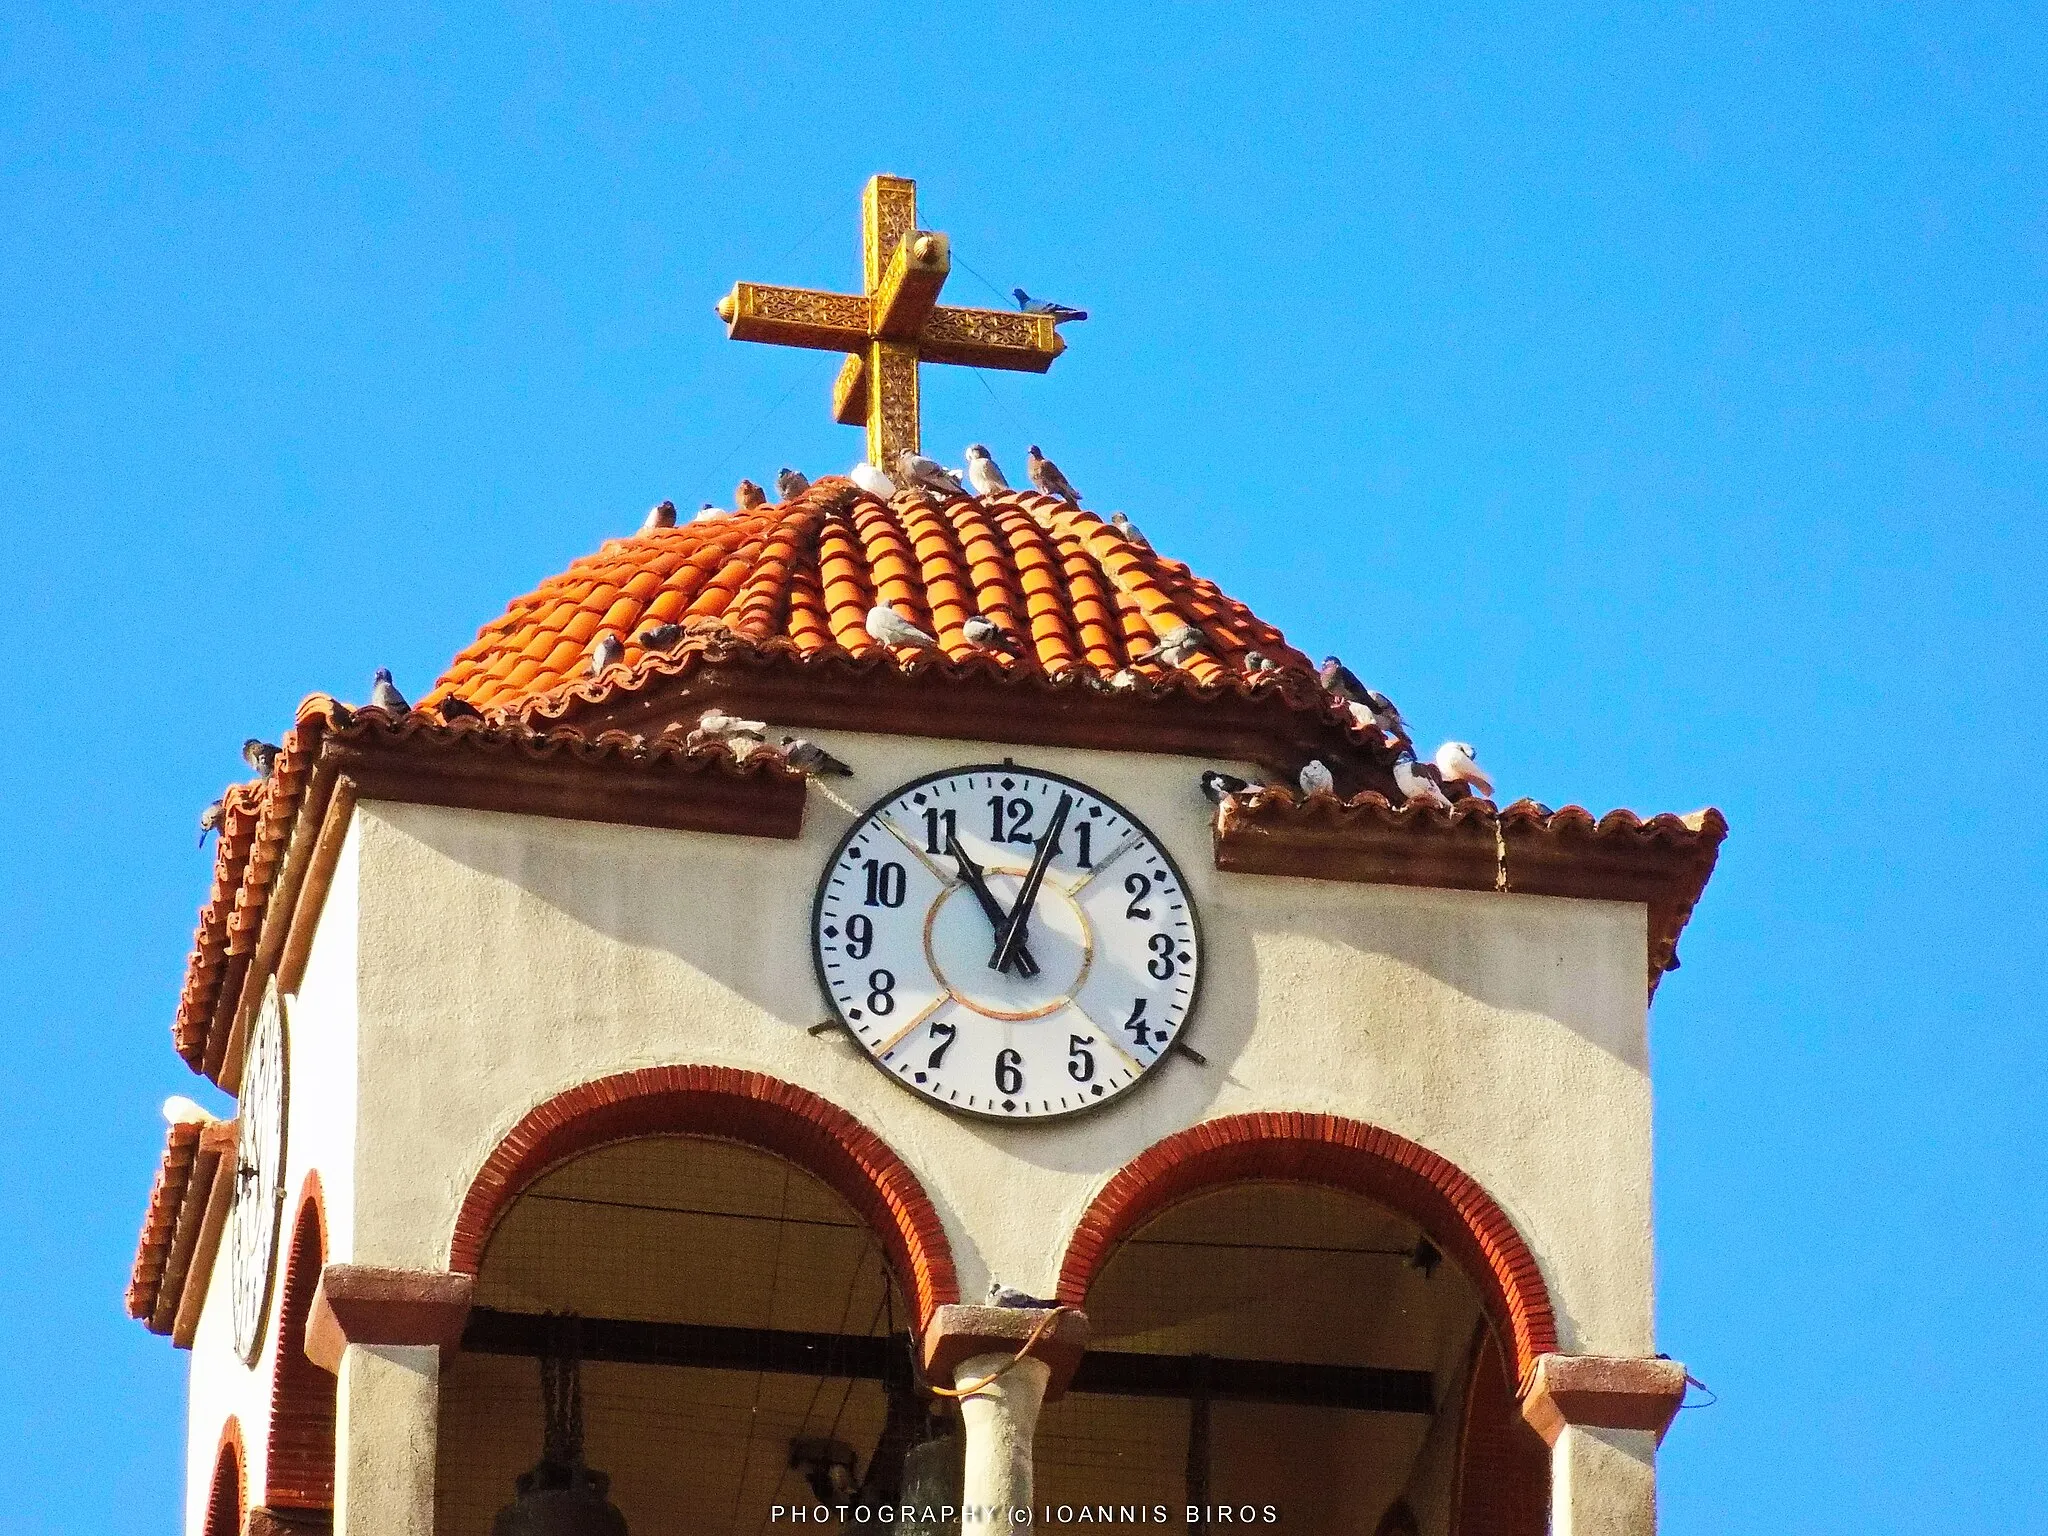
(962, 1345)
(1603, 1418)
(382, 1331)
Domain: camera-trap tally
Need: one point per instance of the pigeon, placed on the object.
(453, 709)
(986, 632)
(1342, 681)
(1180, 646)
(1129, 530)
(812, 760)
(746, 496)
(1123, 678)
(210, 818)
(606, 652)
(707, 511)
(872, 480)
(1000, 1295)
(1061, 313)
(1459, 764)
(791, 483)
(260, 755)
(891, 628)
(717, 724)
(660, 637)
(1316, 778)
(741, 744)
(384, 693)
(1419, 781)
(1219, 787)
(1047, 477)
(1259, 661)
(982, 472)
(918, 470)
(179, 1110)
(660, 515)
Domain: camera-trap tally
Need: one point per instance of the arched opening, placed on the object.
(744, 1335)
(299, 1471)
(224, 1496)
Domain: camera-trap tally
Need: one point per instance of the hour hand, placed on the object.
(970, 872)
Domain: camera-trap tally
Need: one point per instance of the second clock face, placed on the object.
(913, 944)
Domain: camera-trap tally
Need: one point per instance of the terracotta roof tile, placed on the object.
(174, 1250)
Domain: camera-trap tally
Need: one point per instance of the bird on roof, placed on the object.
(661, 515)
(1061, 313)
(1218, 787)
(1342, 681)
(1129, 530)
(916, 469)
(260, 755)
(179, 1110)
(1179, 646)
(889, 627)
(1316, 778)
(1419, 781)
(872, 480)
(791, 483)
(1123, 678)
(982, 471)
(384, 693)
(1047, 477)
(210, 818)
(607, 651)
(746, 496)
(1459, 764)
(1000, 1295)
(1258, 661)
(1368, 706)
(985, 632)
(707, 511)
(453, 709)
(812, 760)
(660, 637)
(717, 724)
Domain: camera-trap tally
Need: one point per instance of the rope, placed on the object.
(1052, 1315)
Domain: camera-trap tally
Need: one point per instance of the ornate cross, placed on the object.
(893, 326)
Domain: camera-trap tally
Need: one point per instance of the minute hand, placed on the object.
(1027, 898)
(992, 909)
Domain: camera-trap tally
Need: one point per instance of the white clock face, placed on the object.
(259, 1173)
(912, 938)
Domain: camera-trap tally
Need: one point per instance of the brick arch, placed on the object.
(224, 1498)
(1459, 1216)
(1503, 1479)
(722, 1102)
(298, 1472)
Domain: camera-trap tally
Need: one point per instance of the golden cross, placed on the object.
(893, 326)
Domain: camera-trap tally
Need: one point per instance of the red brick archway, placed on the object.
(298, 1472)
(747, 1107)
(1459, 1216)
(224, 1500)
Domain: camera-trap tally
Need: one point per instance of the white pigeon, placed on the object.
(982, 472)
(1418, 781)
(179, 1110)
(718, 724)
(1316, 778)
(891, 628)
(1458, 763)
(707, 511)
(872, 480)
(928, 473)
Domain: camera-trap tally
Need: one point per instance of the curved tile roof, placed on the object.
(1083, 600)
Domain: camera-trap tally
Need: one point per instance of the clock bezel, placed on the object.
(252, 1351)
(996, 1117)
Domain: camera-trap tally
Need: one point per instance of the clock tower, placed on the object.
(703, 1067)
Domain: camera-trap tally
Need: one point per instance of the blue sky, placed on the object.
(1654, 399)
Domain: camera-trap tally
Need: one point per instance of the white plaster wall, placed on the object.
(504, 959)
(320, 1130)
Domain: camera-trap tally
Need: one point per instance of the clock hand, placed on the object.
(1013, 935)
(977, 882)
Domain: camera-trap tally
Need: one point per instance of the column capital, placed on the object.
(1602, 1392)
(958, 1333)
(366, 1304)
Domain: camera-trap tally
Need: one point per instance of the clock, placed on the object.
(1007, 942)
(259, 1173)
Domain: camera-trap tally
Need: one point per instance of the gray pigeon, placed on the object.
(986, 632)
(746, 496)
(916, 469)
(384, 693)
(453, 709)
(260, 755)
(210, 818)
(891, 628)
(1000, 1295)
(791, 483)
(1342, 681)
(660, 515)
(812, 760)
(983, 473)
(1061, 313)
(660, 637)
(606, 653)
(1259, 661)
(1180, 646)
(1129, 530)
(1419, 781)
(1316, 778)
(1219, 787)
(1047, 477)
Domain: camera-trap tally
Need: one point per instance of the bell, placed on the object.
(934, 1472)
(561, 1496)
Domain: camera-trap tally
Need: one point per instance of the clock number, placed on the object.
(1161, 965)
(1140, 886)
(1140, 1031)
(1080, 1063)
(860, 936)
(944, 1034)
(1009, 1072)
(886, 883)
(1018, 812)
(881, 990)
(1084, 831)
(939, 830)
